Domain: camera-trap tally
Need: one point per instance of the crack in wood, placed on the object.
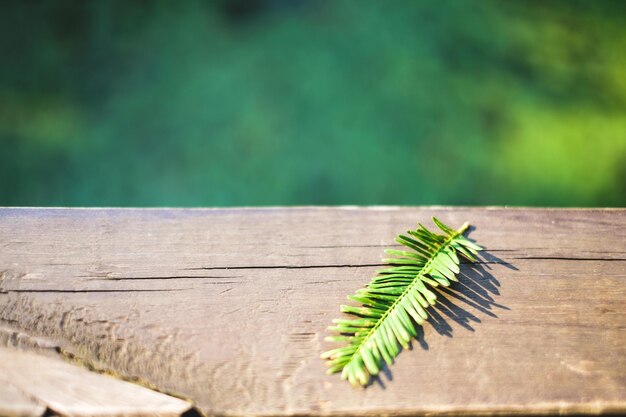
(94, 291)
(567, 258)
(216, 268)
(350, 246)
(165, 278)
(211, 268)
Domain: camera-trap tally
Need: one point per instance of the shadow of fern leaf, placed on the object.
(476, 289)
(397, 302)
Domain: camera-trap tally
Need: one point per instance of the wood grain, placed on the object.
(14, 402)
(72, 391)
(228, 307)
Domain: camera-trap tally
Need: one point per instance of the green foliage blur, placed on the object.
(295, 102)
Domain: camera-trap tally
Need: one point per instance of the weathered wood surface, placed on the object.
(72, 391)
(14, 402)
(228, 307)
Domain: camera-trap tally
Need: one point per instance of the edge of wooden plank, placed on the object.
(73, 391)
(15, 403)
(307, 207)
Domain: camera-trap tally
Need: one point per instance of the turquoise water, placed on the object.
(313, 102)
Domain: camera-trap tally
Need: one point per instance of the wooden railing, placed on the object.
(227, 309)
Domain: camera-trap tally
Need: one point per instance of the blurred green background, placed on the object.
(272, 102)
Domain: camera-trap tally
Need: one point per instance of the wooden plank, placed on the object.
(75, 392)
(14, 403)
(228, 307)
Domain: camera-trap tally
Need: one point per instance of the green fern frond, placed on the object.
(395, 300)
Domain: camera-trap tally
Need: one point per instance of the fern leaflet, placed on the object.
(395, 300)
